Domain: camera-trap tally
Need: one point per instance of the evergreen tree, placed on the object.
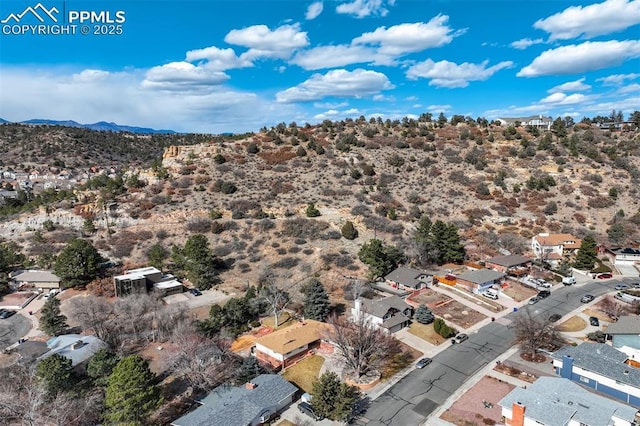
(616, 233)
(249, 369)
(157, 255)
(332, 398)
(349, 231)
(423, 315)
(381, 258)
(55, 373)
(198, 261)
(587, 254)
(316, 301)
(52, 321)
(100, 366)
(131, 394)
(78, 263)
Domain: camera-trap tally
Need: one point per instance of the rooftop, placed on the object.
(556, 401)
(34, 276)
(567, 240)
(625, 250)
(510, 260)
(407, 276)
(601, 359)
(625, 325)
(167, 284)
(76, 347)
(239, 405)
(481, 276)
(380, 307)
(293, 337)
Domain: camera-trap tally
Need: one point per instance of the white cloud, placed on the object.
(588, 56)
(333, 56)
(314, 10)
(337, 83)
(631, 88)
(617, 79)
(364, 8)
(439, 108)
(60, 95)
(452, 75)
(571, 86)
(411, 98)
(590, 21)
(217, 59)
(406, 38)
(182, 76)
(90, 75)
(265, 43)
(564, 99)
(383, 98)
(330, 105)
(523, 43)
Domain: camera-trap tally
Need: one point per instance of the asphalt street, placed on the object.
(422, 391)
(12, 329)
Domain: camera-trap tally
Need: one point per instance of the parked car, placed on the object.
(7, 314)
(544, 294)
(459, 338)
(423, 362)
(490, 293)
(635, 285)
(534, 300)
(306, 408)
(195, 292)
(587, 298)
(604, 276)
(568, 280)
(555, 317)
(622, 287)
(594, 321)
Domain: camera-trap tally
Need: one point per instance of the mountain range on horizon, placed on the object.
(99, 126)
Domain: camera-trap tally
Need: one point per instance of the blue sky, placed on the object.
(238, 65)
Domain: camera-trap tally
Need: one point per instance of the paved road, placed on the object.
(12, 329)
(420, 393)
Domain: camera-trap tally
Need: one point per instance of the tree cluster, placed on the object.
(78, 263)
(444, 330)
(380, 258)
(332, 398)
(437, 242)
(197, 261)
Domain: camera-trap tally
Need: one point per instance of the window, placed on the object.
(584, 379)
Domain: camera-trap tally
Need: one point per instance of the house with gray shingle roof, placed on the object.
(249, 405)
(512, 264)
(625, 332)
(480, 279)
(556, 401)
(390, 313)
(409, 278)
(602, 368)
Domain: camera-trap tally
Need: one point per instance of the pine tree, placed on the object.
(55, 373)
(100, 366)
(423, 315)
(52, 321)
(131, 394)
(332, 398)
(316, 301)
(349, 231)
(587, 254)
(249, 369)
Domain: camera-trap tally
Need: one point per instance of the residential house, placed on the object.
(511, 265)
(625, 332)
(538, 121)
(602, 368)
(554, 247)
(286, 346)
(78, 348)
(35, 278)
(6, 195)
(390, 313)
(255, 403)
(557, 401)
(624, 255)
(408, 278)
(479, 280)
(143, 280)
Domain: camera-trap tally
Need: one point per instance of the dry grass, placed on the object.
(242, 343)
(598, 314)
(305, 372)
(518, 292)
(426, 333)
(284, 320)
(575, 323)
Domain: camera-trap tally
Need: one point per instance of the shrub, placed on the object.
(219, 159)
(286, 262)
(440, 327)
(312, 211)
(252, 148)
(349, 231)
(395, 160)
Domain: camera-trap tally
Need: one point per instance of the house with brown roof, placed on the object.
(286, 346)
(390, 313)
(511, 265)
(554, 247)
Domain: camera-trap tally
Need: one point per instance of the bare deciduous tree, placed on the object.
(204, 362)
(612, 308)
(276, 298)
(94, 314)
(533, 333)
(363, 346)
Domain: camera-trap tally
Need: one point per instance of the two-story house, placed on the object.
(554, 247)
(391, 313)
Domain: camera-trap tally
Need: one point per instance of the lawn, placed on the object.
(575, 323)
(304, 373)
(426, 333)
(284, 320)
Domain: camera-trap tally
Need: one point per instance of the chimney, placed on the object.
(77, 345)
(517, 416)
(250, 385)
(567, 367)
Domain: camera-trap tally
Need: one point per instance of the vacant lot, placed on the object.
(519, 292)
(470, 409)
(575, 323)
(449, 309)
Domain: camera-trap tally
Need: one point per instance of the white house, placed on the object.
(624, 255)
(538, 121)
(554, 247)
(391, 313)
